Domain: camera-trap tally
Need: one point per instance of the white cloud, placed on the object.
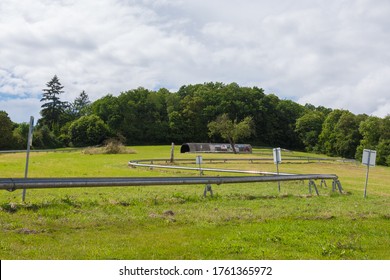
(331, 53)
(20, 110)
(382, 110)
(369, 96)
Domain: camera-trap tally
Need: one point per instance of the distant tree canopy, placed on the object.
(308, 127)
(142, 116)
(340, 134)
(6, 128)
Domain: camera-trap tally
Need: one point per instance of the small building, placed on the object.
(214, 148)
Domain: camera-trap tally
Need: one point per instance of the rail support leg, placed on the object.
(336, 184)
(313, 184)
(323, 182)
(339, 186)
(208, 188)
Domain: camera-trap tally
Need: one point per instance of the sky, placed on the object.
(331, 53)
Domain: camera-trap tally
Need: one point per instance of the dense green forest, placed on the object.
(141, 116)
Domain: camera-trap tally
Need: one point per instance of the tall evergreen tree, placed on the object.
(80, 104)
(53, 107)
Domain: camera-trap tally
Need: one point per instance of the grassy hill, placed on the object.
(242, 221)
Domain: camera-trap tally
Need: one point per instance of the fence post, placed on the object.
(172, 153)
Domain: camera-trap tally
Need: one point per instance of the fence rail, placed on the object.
(214, 160)
(136, 164)
(12, 184)
(66, 150)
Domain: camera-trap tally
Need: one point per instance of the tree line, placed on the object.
(141, 116)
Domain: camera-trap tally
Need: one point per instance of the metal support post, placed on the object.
(29, 144)
(277, 171)
(208, 188)
(313, 184)
(339, 186)
(368, 170)
(369, 158)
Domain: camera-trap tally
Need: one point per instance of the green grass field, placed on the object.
(242, 221)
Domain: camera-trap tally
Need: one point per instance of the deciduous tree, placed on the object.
(309, 127)
(6, 127)
(231, 130)
(88, 131)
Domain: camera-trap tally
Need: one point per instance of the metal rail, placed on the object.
(12, 184)
(135, 164)
(268, 175)
(41, 151)
(211, 160)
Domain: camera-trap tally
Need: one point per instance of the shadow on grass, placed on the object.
(259, 197)
(15, 207)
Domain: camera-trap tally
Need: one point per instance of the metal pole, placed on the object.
(368, 169)
(29, 142)
(12, 184)
(199, 162)
(277, 171)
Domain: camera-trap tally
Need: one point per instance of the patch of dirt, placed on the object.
(316, 218)
(27, 231)
(167, 215)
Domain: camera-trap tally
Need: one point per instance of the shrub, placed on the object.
(112, 146)
(88, 131)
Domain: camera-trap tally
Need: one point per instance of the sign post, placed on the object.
(199, 162)
(207, 187)
(277, 160)
(368, 159)
(29, 144)
(172, 153)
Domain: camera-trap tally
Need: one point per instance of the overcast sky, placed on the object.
(332, 53)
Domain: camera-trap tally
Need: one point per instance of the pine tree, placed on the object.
(53, 107)
(80, 104)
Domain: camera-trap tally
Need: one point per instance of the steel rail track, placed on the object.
(12, 184)
(136, 164)
(213, 160)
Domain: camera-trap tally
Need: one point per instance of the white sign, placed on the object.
(277, 155)
(198, 159)
(369, 157)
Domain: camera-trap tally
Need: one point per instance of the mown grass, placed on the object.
(243, 221)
